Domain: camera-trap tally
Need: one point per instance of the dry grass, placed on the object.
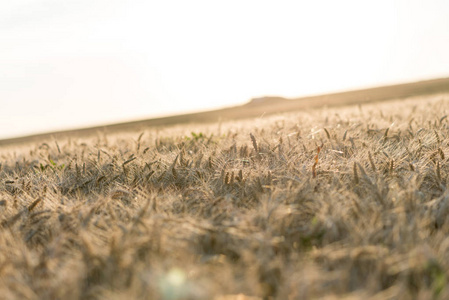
(333, 203)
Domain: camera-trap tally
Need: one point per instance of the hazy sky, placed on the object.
(71, 63)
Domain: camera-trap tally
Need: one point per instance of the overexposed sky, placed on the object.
(76, 63)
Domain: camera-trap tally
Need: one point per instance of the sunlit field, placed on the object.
(326, 203)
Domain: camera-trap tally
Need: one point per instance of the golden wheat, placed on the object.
(268, 208)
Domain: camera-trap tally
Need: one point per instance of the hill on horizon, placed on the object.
(263, 106)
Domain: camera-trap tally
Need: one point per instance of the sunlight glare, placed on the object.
(113, 61)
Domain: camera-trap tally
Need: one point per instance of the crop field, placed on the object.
(330, 203)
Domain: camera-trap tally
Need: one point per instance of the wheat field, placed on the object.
(329, 203)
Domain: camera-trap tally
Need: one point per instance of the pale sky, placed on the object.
(75, 63)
